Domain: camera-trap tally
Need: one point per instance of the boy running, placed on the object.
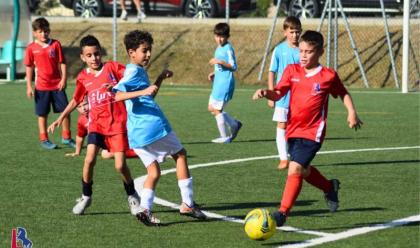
(149, 132)
(46, 56)
(310, 85)
(107, 120)
(284, 54)
(224, 63)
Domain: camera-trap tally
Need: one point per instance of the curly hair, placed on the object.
(133, 39)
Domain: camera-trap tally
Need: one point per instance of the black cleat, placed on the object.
(332, 197)
(279, 217)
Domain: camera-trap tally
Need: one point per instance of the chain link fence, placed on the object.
(187, 45)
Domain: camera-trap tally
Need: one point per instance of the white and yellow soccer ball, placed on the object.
(259, 225)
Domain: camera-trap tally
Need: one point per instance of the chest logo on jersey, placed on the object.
(51, 53)
(100, 96)
(316, 89)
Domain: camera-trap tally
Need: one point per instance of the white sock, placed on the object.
(230, 121)
(220, 119)
(185, 186)
(281, 143)
(146, 198)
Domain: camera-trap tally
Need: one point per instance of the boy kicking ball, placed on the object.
(310, 85)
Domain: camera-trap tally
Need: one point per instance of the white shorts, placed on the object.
(218, 105)
(159, 150)
(280, 114)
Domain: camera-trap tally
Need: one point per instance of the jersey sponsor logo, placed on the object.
(316, 89)
(51, 53)
(100, 96)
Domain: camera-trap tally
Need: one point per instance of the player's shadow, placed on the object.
(281, 243)
(412, 161)
(326, 213)
(357, 225)
(107, 213)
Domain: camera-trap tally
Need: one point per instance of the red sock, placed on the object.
(66, 134)
(291, 192)
(43, 136)
(316, 179)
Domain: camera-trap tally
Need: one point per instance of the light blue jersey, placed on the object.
(283, 55)
(146, 122)
(224, 81)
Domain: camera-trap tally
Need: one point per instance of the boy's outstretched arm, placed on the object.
(78, 149)
(70, 107)
(122, 95)
(352, 119)
(269, 94)
(163, 75)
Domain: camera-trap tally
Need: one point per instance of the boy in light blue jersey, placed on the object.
(149, 133)
(224, 63)
(284, 54)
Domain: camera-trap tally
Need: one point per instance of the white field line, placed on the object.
(138, 182)
(353, 232)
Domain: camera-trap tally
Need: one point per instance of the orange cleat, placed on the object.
(283, 164)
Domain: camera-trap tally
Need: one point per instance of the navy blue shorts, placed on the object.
(45, 98)
(97, 139)
(302, 151)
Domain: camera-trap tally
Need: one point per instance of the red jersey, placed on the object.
(82, 126)
(106, 116)
(309, 93)
(47, 60)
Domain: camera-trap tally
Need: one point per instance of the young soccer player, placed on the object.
(284, 54)
(46, 56)
(224, 63)
(310, 84)
(149, 132)
(107, 120)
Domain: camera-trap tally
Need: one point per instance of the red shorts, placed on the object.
(112, 143)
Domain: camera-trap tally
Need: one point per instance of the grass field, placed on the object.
(38, 187)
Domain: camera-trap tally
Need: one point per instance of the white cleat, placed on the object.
(124, 15)
(81, 205)
(222, 140)
(134, 203)
(141, 16)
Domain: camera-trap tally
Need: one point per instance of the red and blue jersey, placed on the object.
(106, 116)
(309, 100)
(46, 60)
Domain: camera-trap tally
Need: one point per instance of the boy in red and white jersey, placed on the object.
(310, 85)
(45, 55)
(107, 120)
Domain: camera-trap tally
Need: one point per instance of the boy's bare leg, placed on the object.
(121, 167)
(42, 125)
(90, 161)
(153, 175)
(66, 124)
(182, 171)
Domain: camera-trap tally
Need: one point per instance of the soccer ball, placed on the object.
(259, 225)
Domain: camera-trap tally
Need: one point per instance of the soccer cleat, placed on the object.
(222, 140)
(124, 15)
(146, 217)
(68, 142)
(141, 16)
(279, 217)
(81, 205)
(283, 164)
(332, 197)
(235, 131)
(194, 211)
(48, 145)
(134, 203)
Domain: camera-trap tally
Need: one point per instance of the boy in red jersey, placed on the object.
(82, 132)
(310, 84)
(107, 120)
(47, 57)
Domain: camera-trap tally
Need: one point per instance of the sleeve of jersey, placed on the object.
(274, 65)
(61, 58)
(285, 83)
(232, 59)
(127, 82)
(29, 58)
(338, 88)
(80, 91)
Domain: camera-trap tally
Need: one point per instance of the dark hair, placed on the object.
(292, 22)
(89, 40)
(314, 38)
(40, 24)
(133, 39)
(222, 29)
